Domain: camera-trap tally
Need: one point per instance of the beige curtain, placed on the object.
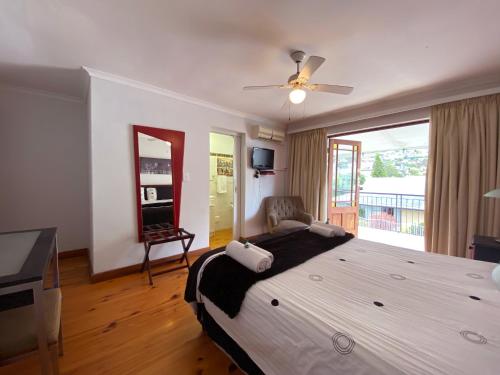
(307, 170)
(464, 163)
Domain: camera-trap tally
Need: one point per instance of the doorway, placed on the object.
(376, 184)
(223, 172)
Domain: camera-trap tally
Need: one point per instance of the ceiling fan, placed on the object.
(299, 82)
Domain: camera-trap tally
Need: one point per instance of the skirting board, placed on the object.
(107, 275)
(73, 253)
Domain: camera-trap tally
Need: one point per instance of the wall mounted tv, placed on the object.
(262, 158)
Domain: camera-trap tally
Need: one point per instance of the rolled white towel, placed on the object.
(339, 231)
(327, 230)
(260, 249)
(251, 258)
(496, 276)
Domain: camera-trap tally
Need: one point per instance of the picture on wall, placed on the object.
(224, 166)
(155, 166)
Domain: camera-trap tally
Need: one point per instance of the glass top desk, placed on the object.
(25, 257)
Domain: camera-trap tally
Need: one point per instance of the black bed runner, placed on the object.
(225, 281)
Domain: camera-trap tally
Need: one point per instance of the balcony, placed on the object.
(393, 219)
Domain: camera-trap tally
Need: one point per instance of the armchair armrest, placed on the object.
(306, 218)
(273, 218)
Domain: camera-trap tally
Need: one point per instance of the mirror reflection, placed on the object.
(155, 160)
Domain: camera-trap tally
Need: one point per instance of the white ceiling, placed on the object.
(415, 136)
(210, 49)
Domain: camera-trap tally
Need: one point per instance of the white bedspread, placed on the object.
(326, 321)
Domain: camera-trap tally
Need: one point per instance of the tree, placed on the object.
(378, 168)
(362, 179)
(384, 169)
(391, 170)
(414, 172)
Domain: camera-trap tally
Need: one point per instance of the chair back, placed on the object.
(286, 208)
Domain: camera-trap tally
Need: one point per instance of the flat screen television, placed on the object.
(262, 158)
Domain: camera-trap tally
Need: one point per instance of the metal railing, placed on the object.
(403, 213)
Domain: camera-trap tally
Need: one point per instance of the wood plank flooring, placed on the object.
(124, 326)
(221, 238)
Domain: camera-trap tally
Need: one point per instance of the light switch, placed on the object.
(187, 177)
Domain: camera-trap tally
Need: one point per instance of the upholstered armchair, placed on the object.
(286, 213)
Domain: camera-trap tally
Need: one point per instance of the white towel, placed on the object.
(221, 184)
(213, 167)
(249, 257)
(151, 194)
(327, 230)
(261, 250)
(339, 231)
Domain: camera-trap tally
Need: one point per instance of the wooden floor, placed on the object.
(221, 238)
(124, 326)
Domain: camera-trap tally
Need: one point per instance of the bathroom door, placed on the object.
(223, 172)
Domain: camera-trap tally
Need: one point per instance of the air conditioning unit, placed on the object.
(268, 134)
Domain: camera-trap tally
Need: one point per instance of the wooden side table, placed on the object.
(162, 233)
(485, 248)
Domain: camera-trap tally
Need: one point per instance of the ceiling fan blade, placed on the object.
(312, 64)
(265, 87)
(334, 89)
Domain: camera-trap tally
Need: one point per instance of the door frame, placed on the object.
(370, 129)
(238, 179)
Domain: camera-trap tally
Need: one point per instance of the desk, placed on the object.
(162, 233)
(24, 260)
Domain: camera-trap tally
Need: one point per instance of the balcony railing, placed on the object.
(403, 213)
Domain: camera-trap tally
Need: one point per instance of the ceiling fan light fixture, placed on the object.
(297, 96)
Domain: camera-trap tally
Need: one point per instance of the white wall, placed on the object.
(114, 108)
(221, 143)
(44, 172)
(411, 106)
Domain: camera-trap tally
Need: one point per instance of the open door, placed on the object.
(344, 160)
(223, 185)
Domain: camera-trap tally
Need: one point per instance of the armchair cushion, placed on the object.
(287, 225)
(280, 209)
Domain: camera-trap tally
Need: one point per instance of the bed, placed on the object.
(359, 308)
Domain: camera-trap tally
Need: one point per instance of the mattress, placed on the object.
(370, 308)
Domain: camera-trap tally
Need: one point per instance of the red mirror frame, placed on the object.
(176, 139)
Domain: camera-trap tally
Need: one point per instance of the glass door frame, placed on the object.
(343, 213)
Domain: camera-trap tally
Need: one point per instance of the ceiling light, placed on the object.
(297, 96)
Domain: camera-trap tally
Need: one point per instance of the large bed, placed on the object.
(359, 308)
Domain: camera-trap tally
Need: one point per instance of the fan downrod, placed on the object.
(297, 57)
